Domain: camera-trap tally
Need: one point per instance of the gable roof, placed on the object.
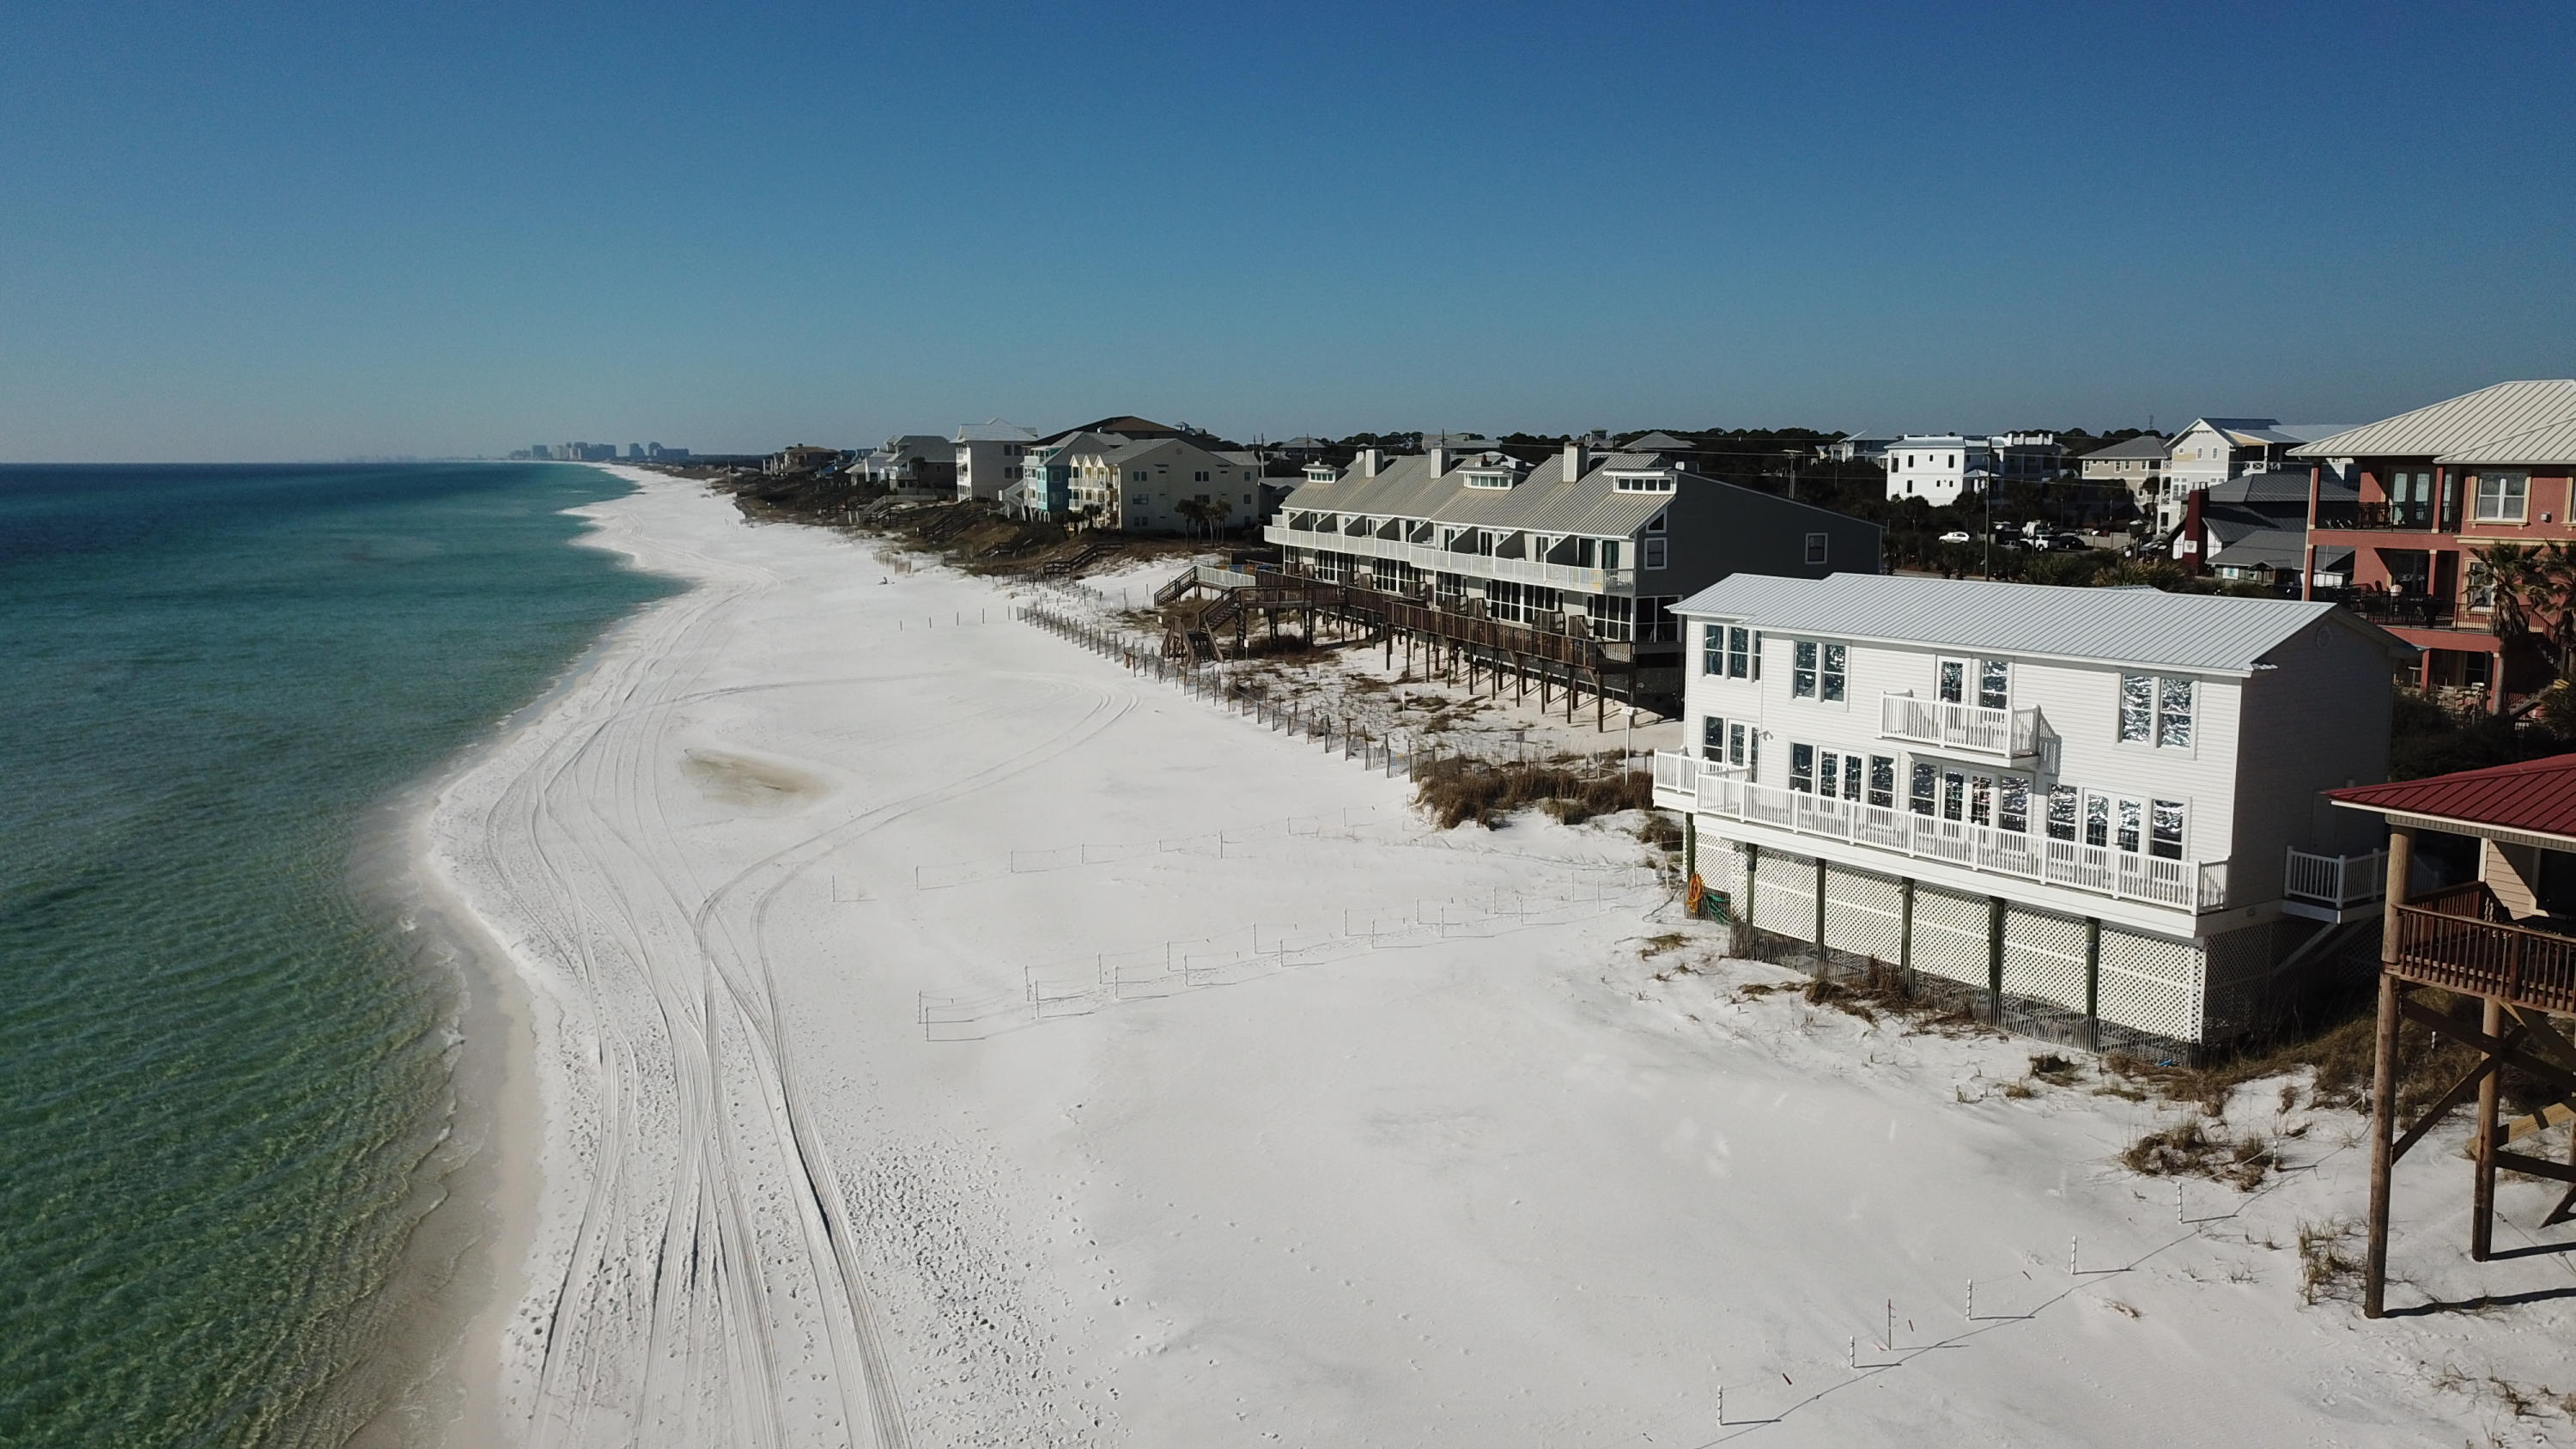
(994, 430)
(2508, 422)
(2538, 796)
(2145, 445)
(1659, 443)
(2204, 633)
(1544, 501)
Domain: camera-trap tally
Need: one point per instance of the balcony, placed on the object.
(1685, 783)
(2411, 517)
(2334, 887)
(2461, 940)
(1966, 729)
(2403, 611)
(1571, 578)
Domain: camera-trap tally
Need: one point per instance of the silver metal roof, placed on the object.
(994, 430)
(2509, 422)
(2144, 446)
(2202, 633)
(1544, 501)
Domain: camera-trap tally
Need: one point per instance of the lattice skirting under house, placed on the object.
(2063, 978)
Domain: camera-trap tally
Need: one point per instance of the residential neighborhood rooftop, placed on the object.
(2210, 633)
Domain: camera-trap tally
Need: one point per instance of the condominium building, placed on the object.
(2098, 806)
(1601, 545)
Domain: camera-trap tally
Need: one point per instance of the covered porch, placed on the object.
(2501, 931)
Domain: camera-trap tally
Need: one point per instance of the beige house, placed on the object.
(1157, 485)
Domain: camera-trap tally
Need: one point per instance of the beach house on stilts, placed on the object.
(2090, 814)
(2503, 937)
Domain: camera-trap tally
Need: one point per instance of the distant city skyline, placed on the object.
(260, 232)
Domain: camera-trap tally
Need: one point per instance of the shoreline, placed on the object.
(469, 1251)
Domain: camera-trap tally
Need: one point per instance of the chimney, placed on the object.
(1439, 461)
(1578, 461)
(1368, 462)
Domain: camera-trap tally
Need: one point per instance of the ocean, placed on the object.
(225, 1049)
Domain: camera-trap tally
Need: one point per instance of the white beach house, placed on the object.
(2096, 807)
(988, 458)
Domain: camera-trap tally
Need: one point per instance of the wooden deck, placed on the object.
(2461, 940)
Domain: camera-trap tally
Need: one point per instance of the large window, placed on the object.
(1731, 650)
(2504, 497)
(1653, 554)
(1817, 670)
(1882, 781)
(2156, 709)
(1712, 738)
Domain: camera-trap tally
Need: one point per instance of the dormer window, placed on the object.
(1641, 482)
(1490, 480)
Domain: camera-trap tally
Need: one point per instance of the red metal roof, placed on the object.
(2537, 795)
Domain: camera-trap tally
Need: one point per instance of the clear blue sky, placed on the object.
(262, 231)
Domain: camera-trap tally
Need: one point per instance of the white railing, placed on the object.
(2004, 733)
(1685, 783)
(1433, 558)
(2340, 881)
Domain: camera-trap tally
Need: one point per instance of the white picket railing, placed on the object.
(2005, 733)
(2339, 881)
(1686, 783)
(1433, 558)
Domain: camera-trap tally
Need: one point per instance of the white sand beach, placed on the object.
(1335, 1130)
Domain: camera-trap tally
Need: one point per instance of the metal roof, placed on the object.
(2509, 422)
(2279, 487)
(994, 430)
(2278, 548)
(2538, 796)
(2204, 633)
(2144, 446)
(1543, 501)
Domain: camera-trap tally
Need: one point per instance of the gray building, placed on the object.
(1598, 545)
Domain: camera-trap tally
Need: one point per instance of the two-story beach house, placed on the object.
(1597, 545)
(2095, 811)
(2436, 486)
(2213, 450)
(2137, 464)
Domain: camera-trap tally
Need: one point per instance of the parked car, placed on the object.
(2067, 543)
(1958, 535)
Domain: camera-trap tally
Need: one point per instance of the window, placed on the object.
(1882, 781)
(2503, 497)
(2173, 714)
(1654, 554)
(1734, 651)
(1817, 670)
(2155, 709)
(1802, 768)
(1712, 650)
(2164, 838)
(2481, 587)
(1712, 738)
(2063, 802)
(1199, 477)
(1953, 681)
(1655, 621)
(1994, 678)
(2012, 804)
(1815, 548)
(1919, 799)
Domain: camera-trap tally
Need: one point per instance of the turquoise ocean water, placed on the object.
(224, 1067)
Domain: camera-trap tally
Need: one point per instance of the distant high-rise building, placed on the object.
(635, 450)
